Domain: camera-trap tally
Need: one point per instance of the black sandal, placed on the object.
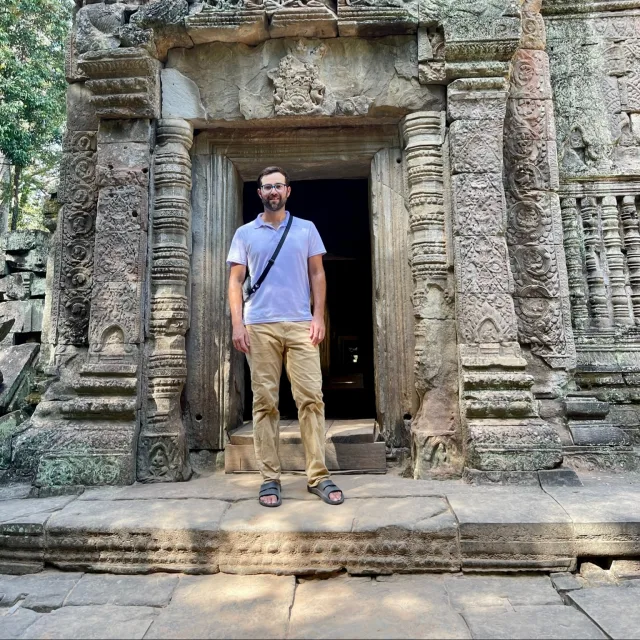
(324, 488)
(270, 488)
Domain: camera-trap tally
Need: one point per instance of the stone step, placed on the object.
(350, 446)
(386, 525)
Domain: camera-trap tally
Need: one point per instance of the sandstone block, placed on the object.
(180, 96)
(17, 623)
(26, 313)
(476, 146)
(154, 590)
(20, 241)
(555, 623)
(42, 592)
(94, 623)
(236, 606)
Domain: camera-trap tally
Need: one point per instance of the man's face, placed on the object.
(274, 192)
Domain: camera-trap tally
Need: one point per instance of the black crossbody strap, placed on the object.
(272, 259)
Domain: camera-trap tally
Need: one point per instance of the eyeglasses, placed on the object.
(278, 186)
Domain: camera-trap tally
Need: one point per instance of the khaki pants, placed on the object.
(270, 345)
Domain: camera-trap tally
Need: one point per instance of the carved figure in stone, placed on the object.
(297, 88)
(97, 26)
(577, 153)
(234, 5)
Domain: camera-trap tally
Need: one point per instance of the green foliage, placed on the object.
(32, 92)
(32, 84)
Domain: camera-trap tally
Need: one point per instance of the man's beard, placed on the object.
(272, 203)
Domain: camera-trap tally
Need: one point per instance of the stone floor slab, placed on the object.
(93, 623)
(154, 590)
(139, 515)
(227, 606)
(616, 609)
(21, 507)
(606, 518)
(400, 607)
(41, 591)
(14, 491)
(548, 623)
(414, 514)
(503, 592)
(504, 528)
(15, 623)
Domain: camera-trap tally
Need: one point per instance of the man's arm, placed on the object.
(240, 335)
(319, 290)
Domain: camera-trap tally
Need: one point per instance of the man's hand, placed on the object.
(316, 331)
(241, 338)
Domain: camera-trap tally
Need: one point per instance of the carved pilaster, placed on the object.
(629, 217)
(502, 429)
(573, 255)
(535, 243)
(435, 428)
(162, 447)
(615, 261)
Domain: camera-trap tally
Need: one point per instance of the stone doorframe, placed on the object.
(222, 160)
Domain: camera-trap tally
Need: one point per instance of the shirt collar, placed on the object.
(259, 222)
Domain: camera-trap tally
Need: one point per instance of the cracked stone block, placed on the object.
(17, 623)
(477, 592)
(551, 623)
(615, 609)
(42, 592)
(398, 607)
(135, 591)
(227, 606)
(93, 623)
(565, 581)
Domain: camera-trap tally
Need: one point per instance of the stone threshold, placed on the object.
(387, 525)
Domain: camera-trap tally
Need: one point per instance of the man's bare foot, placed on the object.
(269, 499)
(335, 496)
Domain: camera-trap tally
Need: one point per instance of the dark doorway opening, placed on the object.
(340, 211)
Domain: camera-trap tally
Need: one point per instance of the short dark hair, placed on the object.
(274, 169)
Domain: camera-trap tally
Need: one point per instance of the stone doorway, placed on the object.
(340, 211)
(223, 162)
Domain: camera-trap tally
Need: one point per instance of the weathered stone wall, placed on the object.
(500, 137)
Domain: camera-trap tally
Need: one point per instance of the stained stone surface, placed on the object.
(362, 77)
(140, 591)
(41, 592)
(477, 592)
(605, 604)
(94, 623)
(553, 623)
(407, 607)
(224, 606)
(15, 624)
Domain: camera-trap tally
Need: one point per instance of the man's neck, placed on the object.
(274, 218)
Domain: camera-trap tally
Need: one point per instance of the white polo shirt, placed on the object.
(284, 296)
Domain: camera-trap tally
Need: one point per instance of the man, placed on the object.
(278, 327)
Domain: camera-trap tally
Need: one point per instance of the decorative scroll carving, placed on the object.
(531, 172)
(162, 448)
(435, 424)
(74, 265)
(493, 383)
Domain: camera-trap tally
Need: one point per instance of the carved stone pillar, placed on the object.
(435, 428)
(503, 432)
(162, 446)
(393, 335)
(534, 223)
(629, 217)
(215, 390)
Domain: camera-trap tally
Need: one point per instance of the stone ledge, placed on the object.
(387, 525)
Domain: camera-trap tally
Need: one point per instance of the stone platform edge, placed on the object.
(467, 529)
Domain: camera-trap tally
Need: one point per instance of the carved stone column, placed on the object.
(162, 447)
(392, 324)
(534, 221)
(503, 432)
(435, 428)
